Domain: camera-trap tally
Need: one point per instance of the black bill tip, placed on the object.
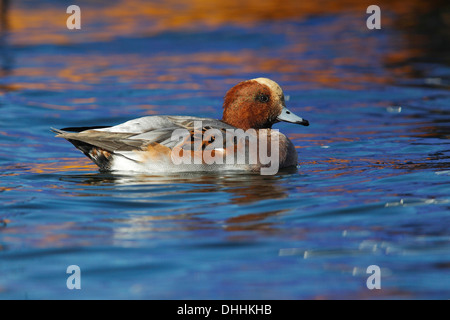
(304, 122)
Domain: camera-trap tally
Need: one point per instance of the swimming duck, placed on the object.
(184, 144)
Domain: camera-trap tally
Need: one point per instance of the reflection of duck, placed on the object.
(245, 191)
(147, 144)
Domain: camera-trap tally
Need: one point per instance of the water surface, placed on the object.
(372, 186)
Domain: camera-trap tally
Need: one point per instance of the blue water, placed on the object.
(372, 186)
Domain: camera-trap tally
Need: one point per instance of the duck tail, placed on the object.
(101, 157)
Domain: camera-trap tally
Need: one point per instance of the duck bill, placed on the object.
(288, 116)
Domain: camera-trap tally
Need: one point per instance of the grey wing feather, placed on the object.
(105, 140)
(138, 133)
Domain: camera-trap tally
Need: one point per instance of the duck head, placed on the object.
(258, 104)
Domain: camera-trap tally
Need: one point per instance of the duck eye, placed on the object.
(263, 98)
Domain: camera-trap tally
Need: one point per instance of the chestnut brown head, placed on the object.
(257, 104)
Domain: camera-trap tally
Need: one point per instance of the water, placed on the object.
(372, 187)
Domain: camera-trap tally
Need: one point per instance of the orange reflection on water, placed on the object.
(43, 236)
(31, 25)
(126, 17)
(61, 165)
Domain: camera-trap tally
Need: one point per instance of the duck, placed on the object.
(243, 140)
